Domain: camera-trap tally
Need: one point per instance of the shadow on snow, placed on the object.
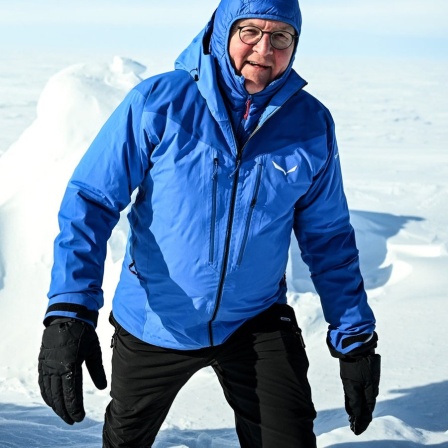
(372, 232)
(39, 427)
(387, 444)
(423, 407)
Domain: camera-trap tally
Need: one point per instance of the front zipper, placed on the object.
(225, 260)
(229, 228)
(226, 248)
(213, 219)
(249, 215)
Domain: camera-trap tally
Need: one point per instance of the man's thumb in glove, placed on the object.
(94, 364)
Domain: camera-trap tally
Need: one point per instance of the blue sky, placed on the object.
(385, 28)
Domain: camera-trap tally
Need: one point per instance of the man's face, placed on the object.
(261, 63)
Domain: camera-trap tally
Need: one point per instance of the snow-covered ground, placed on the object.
(392, 129)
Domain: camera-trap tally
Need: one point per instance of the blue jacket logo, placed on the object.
(278, 167)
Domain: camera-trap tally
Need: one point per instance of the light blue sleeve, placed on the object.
(99, 189)
(328, 247)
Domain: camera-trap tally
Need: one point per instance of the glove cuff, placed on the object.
(71, 310)
(366, 349)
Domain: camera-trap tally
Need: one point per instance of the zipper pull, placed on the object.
(215, 167)
(131, 267)
(298, 332)
(248, 103)
(113, 341)
(237, 165)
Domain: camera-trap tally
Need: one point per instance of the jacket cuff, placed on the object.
(71, 310)
(367, 347)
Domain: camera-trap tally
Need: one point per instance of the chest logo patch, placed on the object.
(278, 167)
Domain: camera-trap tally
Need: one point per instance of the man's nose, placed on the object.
(264, 46)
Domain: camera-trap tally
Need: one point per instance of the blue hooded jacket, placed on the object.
(212, 219)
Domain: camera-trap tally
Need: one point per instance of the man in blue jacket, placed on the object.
(229, 156)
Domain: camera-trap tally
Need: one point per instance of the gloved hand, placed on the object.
(66, 344)
(360, 379)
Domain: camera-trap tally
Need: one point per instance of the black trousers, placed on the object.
(262, 369)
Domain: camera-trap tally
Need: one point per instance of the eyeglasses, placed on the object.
(251, 35)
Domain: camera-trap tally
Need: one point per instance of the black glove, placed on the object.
(360, 379)
(66, 344)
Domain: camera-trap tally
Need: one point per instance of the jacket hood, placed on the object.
(228, 12)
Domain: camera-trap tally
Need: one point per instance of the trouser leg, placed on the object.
(145, 381)
(263, 371)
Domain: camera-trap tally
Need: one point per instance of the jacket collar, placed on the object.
(197, 60)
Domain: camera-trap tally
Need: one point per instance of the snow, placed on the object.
(391, 122)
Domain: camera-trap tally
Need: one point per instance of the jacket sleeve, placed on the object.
(99, 189)
(328, 247)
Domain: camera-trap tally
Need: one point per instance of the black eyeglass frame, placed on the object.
(271, 33)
